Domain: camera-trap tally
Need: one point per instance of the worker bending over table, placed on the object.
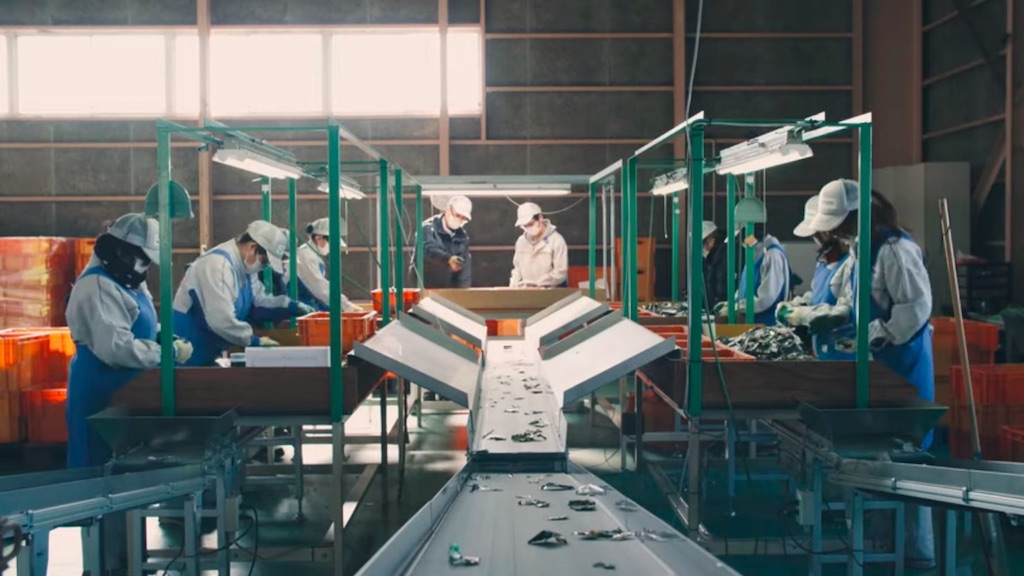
(541, 258)
(311, 267)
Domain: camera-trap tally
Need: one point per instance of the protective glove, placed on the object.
(182, 351)
(801, 300)
(303, 309)
(721, 309)
(355, 308)
(846, 345)
(827, 318)
(784, 311)
(267, 342)
(455, 263)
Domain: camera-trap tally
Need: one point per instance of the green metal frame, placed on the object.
(694, 130)
(213, 133)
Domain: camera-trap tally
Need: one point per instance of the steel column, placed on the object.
(730, 246)
(592, 239)
(695, 290)
(293, 246)
(268, 208)
(385, 245)
(748, 251)
(399, 247)
(419, 237)
(863, 271)
(163, 170)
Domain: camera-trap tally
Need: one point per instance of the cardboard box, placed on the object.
(288, 357)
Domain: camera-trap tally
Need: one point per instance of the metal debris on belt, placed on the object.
(617, 535)
(538, 423)
(557, 518)
(548, 539)
(482, 488)
(531, 501)
(555, 487)
(529, 436)
(769, 343)
(604, 566)
(657, 535)
(626, 506)
(455, 558)
(589, 490)
(583, 505)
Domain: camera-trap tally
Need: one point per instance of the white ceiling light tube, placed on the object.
(349, 189)
(496, 190)
(256, 163)
(670, 182)
(757, 154)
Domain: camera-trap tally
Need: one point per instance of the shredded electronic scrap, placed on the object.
(769, 343)
(668, 309)
(529, 436)
(548, 539)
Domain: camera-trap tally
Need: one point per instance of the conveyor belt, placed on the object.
(494, 523)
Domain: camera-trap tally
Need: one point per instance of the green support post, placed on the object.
(334, 217)
(630, 240)
(293, 246)
(163, 169)
(385, 244)
(399, 247)
(730, 246)
(695, 290)
(592, 240)
(622, 253)
(863, 269)
(265, 189)
(675, 246)
(419, 237)
(749, 253)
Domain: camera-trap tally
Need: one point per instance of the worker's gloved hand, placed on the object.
(827, 318)
(455, 263)
(182, 350)
(784, 313)
(302, 308)
(268, 342)
(721, 309)
(846, 345)
(801, 300)
(355, 308)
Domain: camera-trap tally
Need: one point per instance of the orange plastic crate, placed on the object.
(83, 253)
(10, 417)
(23, 360)
(1011, 441)
(993, 384)
(982, 342)
(315, 328)
(410, 297)
(57, 355)
(44, 413)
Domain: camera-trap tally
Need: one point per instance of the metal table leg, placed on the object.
(34, 556)
(402, 434)
(191, 543)
(949, 547)
(300, 480)
(337, 497)
(855, 562)
(92, 549)
(622, 411)
(693, 456)
(136, 541)
(223, 553)
(419, 406)
(384, 442)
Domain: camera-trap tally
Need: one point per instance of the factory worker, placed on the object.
(826, 307)
(542, 257)
(311, 268)
(771, 280)
(900, 331)
(715, 267)
(114, 327)
(446, 259)
(222, 292)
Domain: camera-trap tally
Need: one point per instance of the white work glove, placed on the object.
(304, 308)
(182, 351)
(824, 318)
(355, 308)
(801, 300)
(268, 342)
(455, 263)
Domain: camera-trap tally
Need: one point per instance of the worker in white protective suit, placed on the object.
(117, 335)
(311, 268)
(541, 259)
(771, 280)
(900, 331)
(221, 294)
(826, 309)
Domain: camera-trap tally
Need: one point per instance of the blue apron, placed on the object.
(307, 297)
(821, 293)
(913, 360)
(92, 383)
(767, 317)
(207, 346)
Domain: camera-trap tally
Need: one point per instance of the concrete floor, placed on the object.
(436, 453)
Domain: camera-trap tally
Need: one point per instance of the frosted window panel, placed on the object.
(465, 76)
(265, 74)
(186, 76)
(4, 85)
(387, 73)
(100, 74)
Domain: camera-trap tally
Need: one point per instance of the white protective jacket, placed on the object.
(307, 267)
(101, 315)
(542, 262)
(215, 282)
(900, 283)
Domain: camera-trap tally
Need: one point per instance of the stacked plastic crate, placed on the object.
(36, 275)
(34, 366)
(982, 343)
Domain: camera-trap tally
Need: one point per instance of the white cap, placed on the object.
(462, 206)
(272, 239)
(707, 229)
(526, 212)
(835, 201)
(322, 227)
(138, 230)
(803, 229)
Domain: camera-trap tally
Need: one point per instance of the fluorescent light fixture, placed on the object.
(349, 189)
(826, 130)
(496, 190)
(256, 163)
(766, 158)
(671, 182)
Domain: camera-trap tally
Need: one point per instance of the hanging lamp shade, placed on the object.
(750, 210)
(181, 203)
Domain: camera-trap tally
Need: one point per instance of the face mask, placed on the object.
(452, 222)
(322, 249)
(141, 266)
(705, 251)
(533, 229)
(254, 268)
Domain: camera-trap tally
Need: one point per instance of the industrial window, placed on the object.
(4, 86)
(465, 72)
(266, 74)
(78, 74)
(185, 87)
